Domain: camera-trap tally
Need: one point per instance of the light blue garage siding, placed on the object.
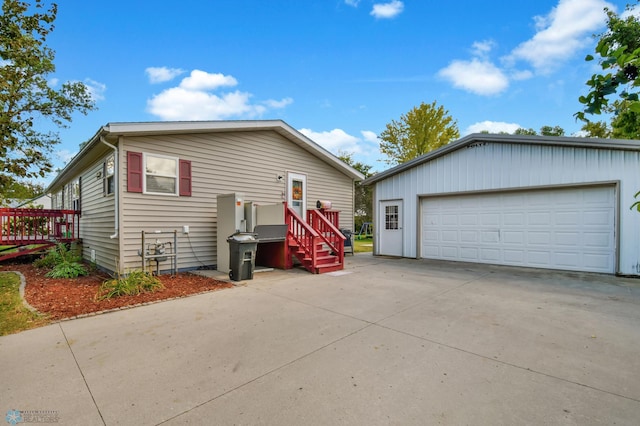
(487, 163)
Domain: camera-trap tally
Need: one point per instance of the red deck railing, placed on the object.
(38, 226)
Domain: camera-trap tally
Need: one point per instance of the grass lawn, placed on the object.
(362, 246)
(14, 316)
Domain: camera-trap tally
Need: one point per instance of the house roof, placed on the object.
(112, 131)
(593, 143)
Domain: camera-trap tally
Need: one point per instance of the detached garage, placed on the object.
(543, 202)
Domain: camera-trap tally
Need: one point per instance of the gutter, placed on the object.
(116, 188)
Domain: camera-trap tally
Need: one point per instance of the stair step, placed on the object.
(329, 267)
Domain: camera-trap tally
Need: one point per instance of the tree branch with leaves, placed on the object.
(27, 95)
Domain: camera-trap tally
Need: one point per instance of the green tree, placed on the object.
(423, 129)
(26, 95)
(596, 129)
(551, 131)
(22, 190)
(619, 55)
(523, 131)
(544, 131)
(363, 202)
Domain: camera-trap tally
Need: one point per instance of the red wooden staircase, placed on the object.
(317, 243)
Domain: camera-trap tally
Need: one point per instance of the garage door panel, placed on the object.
(567, 228)
(567, 259)
(596, 218)
(490, 219)
(490, 255)
(597, 262)
(468, 219)
(597, 240)
(539, 218)
(538, 258)
(449, 252)
(513, 237)
(514, 219)
(513, 256)
(539, 237)
(571, 239)
(569, 218)
(468, 236)
(469, 254)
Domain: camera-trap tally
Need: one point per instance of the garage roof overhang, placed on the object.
(112, 131)
(592, 143)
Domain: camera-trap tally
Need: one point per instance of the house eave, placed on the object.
(112, 131)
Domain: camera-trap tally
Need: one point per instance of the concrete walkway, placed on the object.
(387, 341)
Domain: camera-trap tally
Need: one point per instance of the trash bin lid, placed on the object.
(242, 237)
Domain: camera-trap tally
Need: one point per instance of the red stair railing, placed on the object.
(305, 238)
(329, 233)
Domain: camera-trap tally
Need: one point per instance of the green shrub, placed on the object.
(67, 270)
(63, 263)
(135, 282)
(49, 260)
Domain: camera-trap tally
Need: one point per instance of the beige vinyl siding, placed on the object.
(97, 220)
(245, 162)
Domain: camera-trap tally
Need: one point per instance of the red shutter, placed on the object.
(134, 171)
(185, 178)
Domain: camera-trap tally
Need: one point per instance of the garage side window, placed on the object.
(391, 217)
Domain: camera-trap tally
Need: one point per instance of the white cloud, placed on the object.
(278, 104)
(477, 76)
(559, 36)
(521, 75)
(335, 140)
(482, 48)
(201, 80)
(96, 89)
(370, 136)
(353, 3)
(387, 10)
(193, 99)
(633, 11)
(162, 74)
(561, 33)
(492, 127)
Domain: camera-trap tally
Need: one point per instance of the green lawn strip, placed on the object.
(363, 246)
(14, 316)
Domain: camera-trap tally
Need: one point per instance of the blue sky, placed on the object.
(337, 70)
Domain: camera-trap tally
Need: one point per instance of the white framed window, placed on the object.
(160, 174)
(75, 194)
(56, 200)
(391, 217)
(108, 175)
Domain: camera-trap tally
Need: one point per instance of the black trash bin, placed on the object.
(242, 256)
(348, 242)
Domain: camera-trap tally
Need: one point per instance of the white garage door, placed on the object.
(568, 228)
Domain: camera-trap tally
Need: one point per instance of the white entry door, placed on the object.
(390, 226)
(297, 193)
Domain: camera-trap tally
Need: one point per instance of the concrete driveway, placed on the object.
(387, 341)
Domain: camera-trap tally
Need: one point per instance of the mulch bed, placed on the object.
(68, 298)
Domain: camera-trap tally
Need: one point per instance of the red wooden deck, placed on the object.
(23, 231)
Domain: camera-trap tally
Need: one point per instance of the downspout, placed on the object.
(115, 184)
